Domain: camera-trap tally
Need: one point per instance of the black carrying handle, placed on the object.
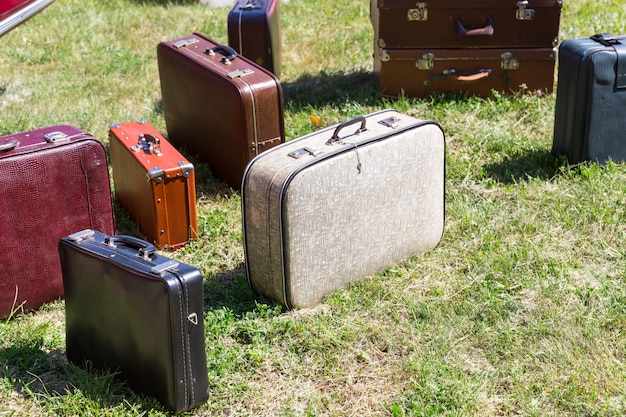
(484, 31)
(9, 145)
(358, 119)
(145, 250)
(618, 43)
(228, 53)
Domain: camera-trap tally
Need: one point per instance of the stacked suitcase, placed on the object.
(468, 47)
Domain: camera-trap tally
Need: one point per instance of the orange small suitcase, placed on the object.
(154, 183)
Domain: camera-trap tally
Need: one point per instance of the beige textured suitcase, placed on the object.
(332, 207)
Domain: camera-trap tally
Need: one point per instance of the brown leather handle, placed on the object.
(468, 78)
(484, 31)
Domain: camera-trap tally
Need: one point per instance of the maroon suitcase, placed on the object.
(407, 24)
(422, 72)
(55, 181)
(219, 106)
(254, 32)
(15, 12)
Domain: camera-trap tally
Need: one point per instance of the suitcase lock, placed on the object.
(522, 13)
(508, 62)
(418, 15)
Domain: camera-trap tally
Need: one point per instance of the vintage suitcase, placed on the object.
(135, 312)
(334, 206)
(590, 95)
(422, 72)
(254, 32)
(55, 181)
(407, 24)
(154, 183)
(218, 105)
(14, 12)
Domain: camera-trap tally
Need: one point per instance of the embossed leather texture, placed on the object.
(49, 188)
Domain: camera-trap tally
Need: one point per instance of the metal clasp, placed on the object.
(56, 137)
(391, 122)
(155, 174)
(186, 168)
(508, 62)
(426, 63)
(299, 153)
(184, 42)
(522, 13)
(164, 267)
(82, 235)
(420, 14)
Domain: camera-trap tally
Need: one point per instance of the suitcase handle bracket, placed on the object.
(335, 138)
(9, 145)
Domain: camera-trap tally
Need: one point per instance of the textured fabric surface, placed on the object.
(47, 191)
(318, 223)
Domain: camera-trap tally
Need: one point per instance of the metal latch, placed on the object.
(419, 14)
(155, 174)
(56, 137)
(82, 235)
(427, 62)
(508, 62)
(164, 267)
(522, 13)
(240, 73)
(184, 42)
(186, 168)
(391, 122)
(299, 153)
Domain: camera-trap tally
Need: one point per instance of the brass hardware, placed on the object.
(420, 14)
(426, 63)
(508, 62)
(164, 267)
(522, 13)
(239, 73)
(184, 42)
(56, 137)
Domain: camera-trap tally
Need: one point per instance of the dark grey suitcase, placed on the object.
(591, 94)
(135, 312)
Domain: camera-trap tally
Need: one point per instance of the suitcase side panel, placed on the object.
(254, 32)
(455, 24)
(222, 117)
(148, 326)
(164, 207)
(421, 72)
(32, 177)
(276, 211)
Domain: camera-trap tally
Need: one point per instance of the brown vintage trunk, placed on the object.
(218, 105)
(422, 72)
(54, 182)
(254, 32)
(407, 24)
(154, 183)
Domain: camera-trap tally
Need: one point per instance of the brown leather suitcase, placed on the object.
(407, 24)
(254, 32)
(55, 181)
(218, 105)
(422, 72)
(154, 183)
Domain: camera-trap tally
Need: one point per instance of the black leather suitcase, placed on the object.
(133, 311)
(254, 32)
(591, 95)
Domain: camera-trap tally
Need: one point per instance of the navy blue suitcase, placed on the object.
(590, 97)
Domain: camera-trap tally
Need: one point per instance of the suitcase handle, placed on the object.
(228, 53)
(145, 250)
(468, 78)
(9, 145)
(346, 123)
(484, 31)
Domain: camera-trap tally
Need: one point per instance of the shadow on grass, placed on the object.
(47, 377)
(538, 164)
(318, 90)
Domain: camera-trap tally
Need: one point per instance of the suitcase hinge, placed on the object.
(164, 267)
(426, 63)
(240, 73)
(186, 168)
(508, 62)
(522, 13)
(183, 43)
(155, 174)
(420, 14)
(82, 235)
(56, 137)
